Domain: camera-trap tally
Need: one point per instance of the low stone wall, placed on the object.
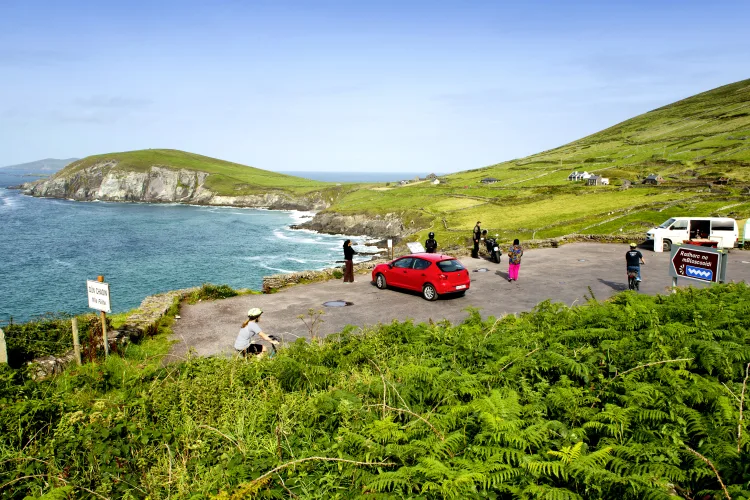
(279, 281)
(142, 322)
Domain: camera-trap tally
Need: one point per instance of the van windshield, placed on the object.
(666, 224)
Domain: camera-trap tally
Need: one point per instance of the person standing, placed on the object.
(430, 245)
(514, 260)
(249, 339)
(634, 259)
(348, 264)
(476, 236)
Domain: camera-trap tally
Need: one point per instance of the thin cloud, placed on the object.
(112, 102)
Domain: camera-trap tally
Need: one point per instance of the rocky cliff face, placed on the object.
(385, 226)
(158, 185)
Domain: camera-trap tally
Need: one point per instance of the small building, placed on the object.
(436, 181)
(596, 180)
(403, 183)
(488, 180)
(431, 177)
(578, 176)
(653, 179)
(722, 181)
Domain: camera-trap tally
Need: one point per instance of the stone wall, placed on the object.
(142, 322)
(279, 281)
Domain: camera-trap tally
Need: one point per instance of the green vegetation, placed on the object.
(691, 144)
(638, 397)
(226, 178)
(215, 292)
(51, 334)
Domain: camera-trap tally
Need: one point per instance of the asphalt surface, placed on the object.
(566, 274)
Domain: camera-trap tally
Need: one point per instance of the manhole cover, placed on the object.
(337, 303)
(481, 270)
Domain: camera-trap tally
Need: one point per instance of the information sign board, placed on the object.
(98, 295)
(415, 247)
(697, 263)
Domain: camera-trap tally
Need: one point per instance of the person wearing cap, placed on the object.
(249, 340)
(430, 245)
(634, 259)
(476, 236)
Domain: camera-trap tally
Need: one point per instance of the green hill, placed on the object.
(691, 144)
(226, 177)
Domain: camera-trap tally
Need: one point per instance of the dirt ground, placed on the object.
(565, 274)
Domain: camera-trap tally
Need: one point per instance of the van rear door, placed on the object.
(725, 232)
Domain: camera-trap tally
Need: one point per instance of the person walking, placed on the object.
(348, 264)
(476, 236)
(514, 260)
(430, 245)
(249, 340)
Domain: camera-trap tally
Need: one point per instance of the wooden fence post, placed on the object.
(76, 343)
(100, 279)
(3, 350)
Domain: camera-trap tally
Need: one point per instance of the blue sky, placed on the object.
(433, 86)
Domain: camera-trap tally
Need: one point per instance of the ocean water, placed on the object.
(49, 248)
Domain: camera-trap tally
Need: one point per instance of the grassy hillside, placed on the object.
(226, 177)
(690, 143)
(636, 398)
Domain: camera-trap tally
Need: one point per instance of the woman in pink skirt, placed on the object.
(514, 260)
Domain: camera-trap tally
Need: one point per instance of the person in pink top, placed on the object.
(514, 260)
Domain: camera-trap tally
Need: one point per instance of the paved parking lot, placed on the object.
(562, 274)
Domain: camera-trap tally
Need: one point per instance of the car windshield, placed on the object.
(449, 266)
(666, 224)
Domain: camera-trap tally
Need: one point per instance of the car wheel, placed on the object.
(380, 282)
(666, 245)
(429, 292)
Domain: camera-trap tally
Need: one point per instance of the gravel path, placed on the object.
(562, 274)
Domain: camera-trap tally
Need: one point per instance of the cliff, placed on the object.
(157, 184)
(378, 226)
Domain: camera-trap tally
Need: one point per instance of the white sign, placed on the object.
(98, 295)
(415, 247)
(390, 242)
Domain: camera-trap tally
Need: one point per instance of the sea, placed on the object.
(49, 248)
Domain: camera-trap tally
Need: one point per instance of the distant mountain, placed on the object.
(47, 166)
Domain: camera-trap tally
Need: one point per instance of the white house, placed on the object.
(579, 176)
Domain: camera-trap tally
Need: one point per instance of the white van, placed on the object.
(722, 230)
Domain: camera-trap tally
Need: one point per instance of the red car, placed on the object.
(433, 274)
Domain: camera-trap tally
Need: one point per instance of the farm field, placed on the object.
(694, 145)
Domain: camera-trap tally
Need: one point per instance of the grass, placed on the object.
(226, 177)
(690, 143)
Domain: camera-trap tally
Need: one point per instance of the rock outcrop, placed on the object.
(159, 184)
(378, 226)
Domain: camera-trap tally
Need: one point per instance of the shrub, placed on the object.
(212, 292)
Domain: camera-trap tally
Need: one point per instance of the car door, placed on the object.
(416, 277)
(399, 271)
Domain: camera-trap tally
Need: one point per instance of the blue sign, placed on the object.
(700, 273)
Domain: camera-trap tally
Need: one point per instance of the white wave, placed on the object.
(280, 235)
(63, 263)
(279, 269)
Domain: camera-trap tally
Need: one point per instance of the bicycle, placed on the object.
(633, 283)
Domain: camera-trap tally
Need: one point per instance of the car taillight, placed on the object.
(442, 277)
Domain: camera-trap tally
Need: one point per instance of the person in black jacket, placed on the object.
(476, 236)
(348, 264)
(430, 245)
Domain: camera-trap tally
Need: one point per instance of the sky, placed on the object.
(413, 86)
